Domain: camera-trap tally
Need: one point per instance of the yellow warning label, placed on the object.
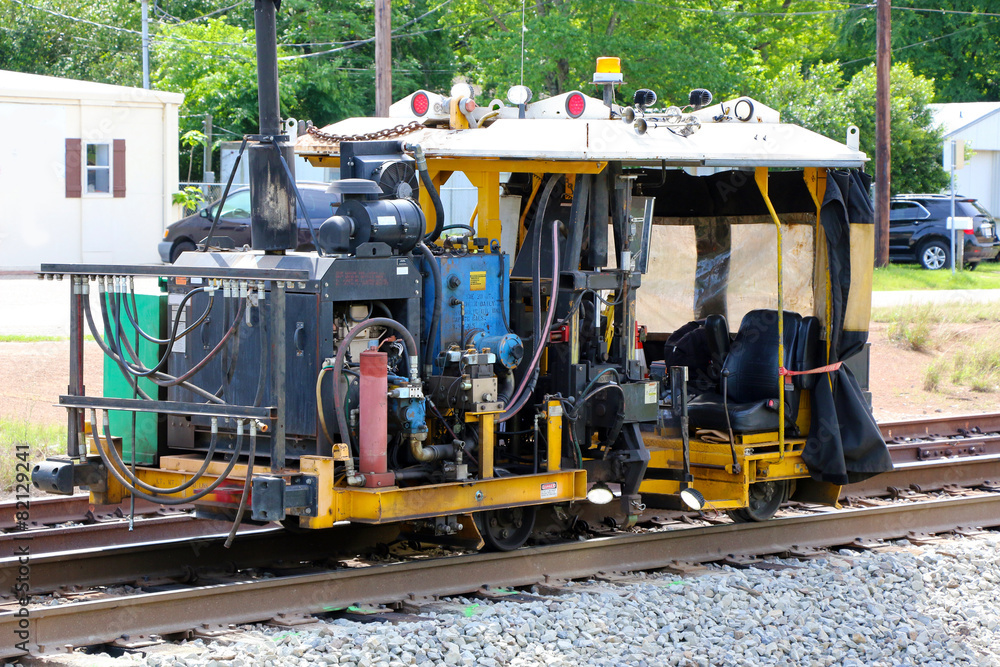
(477, 281)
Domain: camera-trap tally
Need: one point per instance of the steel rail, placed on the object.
(102, 534)
(49, 510)
(944, 426)
(184, 558)
(50, 629)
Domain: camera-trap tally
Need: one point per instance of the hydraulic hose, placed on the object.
(152, 498)
(133, 382)
(338, 363)
(117, 304)
(425, 178)
(531, 374)
(132, 314)
(139, 370)
(432, 330)
(246, 488)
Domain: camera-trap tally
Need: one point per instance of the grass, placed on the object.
(31, 338)
(37, 441)
(943, 313)
(911, 329)
(912, 277)
(932, 375)
(977, 366)
(21, 338)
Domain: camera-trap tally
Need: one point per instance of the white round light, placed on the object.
(600, 494)
(519, 95)
(462, 89)
(693, 498)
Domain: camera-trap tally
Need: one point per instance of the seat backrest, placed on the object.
(807, 352)
(719, 342)
(753, 358)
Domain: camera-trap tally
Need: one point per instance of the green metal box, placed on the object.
(151, 317)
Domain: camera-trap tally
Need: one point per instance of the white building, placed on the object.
(978, 124)
(87, 171)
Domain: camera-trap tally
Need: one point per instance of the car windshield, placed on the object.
(237, 205)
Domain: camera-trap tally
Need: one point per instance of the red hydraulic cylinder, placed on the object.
(373, 432)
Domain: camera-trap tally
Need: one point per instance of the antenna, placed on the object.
(522, 42)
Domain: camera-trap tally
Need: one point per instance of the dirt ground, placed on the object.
(33, 375)
(897, 375)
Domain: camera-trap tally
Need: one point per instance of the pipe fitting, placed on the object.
(430, 452)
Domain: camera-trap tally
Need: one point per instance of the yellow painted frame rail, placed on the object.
(760, 175)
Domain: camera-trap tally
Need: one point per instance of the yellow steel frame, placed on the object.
(484, 174)
(337, 502)
(761, 178)
(759, 460)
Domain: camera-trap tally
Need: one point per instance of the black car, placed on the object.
(234, 222)
(918, 231)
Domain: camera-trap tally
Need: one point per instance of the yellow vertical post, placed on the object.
(488, 204)
(553, 435)
(761, 178)
(438, 178)
(816, 182)
(486, 445)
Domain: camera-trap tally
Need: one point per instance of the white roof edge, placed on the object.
(969, 124)
(37, 86)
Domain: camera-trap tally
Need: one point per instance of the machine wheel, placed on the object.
(506, 529)
(765, 499)
(179, 247)
(934, 255)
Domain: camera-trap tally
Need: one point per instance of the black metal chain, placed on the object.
(387, 133)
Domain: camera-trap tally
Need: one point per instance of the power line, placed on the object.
(921, 43)
(932, 10)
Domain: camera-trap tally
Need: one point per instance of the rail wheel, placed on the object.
(506, 529)
(765, 499)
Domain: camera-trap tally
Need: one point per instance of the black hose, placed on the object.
(468, 228)
(425, 178)
(345, 344)
(246, 490)
(121, 364)
(432, 330)
(145, 496)
(225, 194)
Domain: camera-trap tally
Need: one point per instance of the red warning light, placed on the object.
(420, 103)
(575, 105)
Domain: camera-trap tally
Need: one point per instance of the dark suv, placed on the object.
(234, 221)
(918, 231)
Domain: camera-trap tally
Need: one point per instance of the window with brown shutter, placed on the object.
(74, 174)
(118, 168)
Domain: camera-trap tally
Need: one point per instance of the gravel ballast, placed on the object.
(935, 604)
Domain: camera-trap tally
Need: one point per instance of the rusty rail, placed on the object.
(92, 622)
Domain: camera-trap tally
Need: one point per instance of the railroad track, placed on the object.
(72, 523)
(229, 588)
(177, 609)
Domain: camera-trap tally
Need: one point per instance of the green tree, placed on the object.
(91, 41)
(960, 51)
(819, 100)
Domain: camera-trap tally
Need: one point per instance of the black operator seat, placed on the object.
(752, 366)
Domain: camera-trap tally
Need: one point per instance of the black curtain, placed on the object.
(844, 443)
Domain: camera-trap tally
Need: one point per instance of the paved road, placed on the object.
(29, 306)
(33, 307)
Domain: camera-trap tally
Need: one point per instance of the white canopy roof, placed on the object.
(728, 143)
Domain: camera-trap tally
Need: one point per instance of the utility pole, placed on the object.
(383, 57)
(208, 176)
(882, 132)
(145, 44)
